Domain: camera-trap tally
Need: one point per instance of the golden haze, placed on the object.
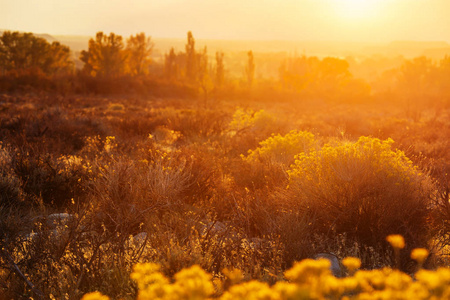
(344, 20)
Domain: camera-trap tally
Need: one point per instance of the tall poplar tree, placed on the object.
(250, 68)
(191, 59)
(220, 70)
(170, 65)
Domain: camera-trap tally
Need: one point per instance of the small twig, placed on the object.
(16, 269)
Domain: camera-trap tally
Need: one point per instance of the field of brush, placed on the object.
(91, 185)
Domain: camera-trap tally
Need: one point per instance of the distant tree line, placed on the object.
(327, 76)
(107, 59)
(192, 67)
(112, 64)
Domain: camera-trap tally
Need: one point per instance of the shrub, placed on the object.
(257, 175)
(197, 124)
(10, 185)
(441, 204)
(54, 180)
(249, 119)
(307, 279)
(282, 149)
(364, 189)
(127, 190)
(248, 127)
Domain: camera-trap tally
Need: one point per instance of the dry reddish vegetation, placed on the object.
(100, 172)
(181, 173)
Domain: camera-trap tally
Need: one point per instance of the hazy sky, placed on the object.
(341, 20)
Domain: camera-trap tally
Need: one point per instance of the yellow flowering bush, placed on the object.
(190, 283)
(348, 161)
(250, 119)
(253, 290)
(193, 283)
(282, 149)
(307, 279)
(365, 189)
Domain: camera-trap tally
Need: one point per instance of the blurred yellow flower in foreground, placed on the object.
(419, 255)
(351, 263)
(396, 241)
(307, 279)
(95, 296)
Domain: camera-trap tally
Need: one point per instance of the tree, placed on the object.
(105, 56)
(333, 69)
(250, 68)
(414, 76)
(139, 48)
(331, 76)
(170, 65)
(443, 80)
(295, 73)
(59, 59)
(16, 50)
(220, 70)
(202, 66)
(203, 80)
(191, 58)
(24, 51)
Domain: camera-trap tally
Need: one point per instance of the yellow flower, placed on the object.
(396, 241)
(234, 276)
(419, 255)
(350, 283)
(95, 296)
(147, 274)
(291, 291)
(252, 290)
(282, 149)
(194, 283)
(332, 286)
(397, 280)
(351, 263)
(308, 270)
(430, 279)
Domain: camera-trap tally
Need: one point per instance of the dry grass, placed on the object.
(173, 169)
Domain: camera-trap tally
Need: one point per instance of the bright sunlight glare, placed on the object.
(358, 9)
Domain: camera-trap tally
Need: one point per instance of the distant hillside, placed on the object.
(437, 53)
(75, 42)
(417, 44)
(46, 36)
(411, 49)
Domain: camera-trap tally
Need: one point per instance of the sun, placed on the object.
(358, 9)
